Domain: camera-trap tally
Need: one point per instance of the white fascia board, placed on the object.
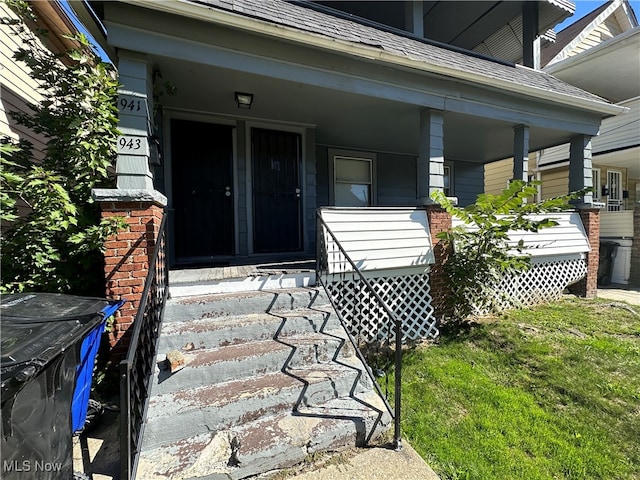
(232, 20)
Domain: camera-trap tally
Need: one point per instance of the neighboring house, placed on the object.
(599, 53)
(18, 88)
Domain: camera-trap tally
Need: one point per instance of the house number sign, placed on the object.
(132, 105)
(132, 145)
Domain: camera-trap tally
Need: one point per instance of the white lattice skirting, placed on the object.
(543, 282)
(407, 296)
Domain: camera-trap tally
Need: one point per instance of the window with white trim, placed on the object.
(353, 181)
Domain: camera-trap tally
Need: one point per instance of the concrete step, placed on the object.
(219, 331)
(185, 413)
(280, 281)
(208, 366)
(269, 378)
(242, 303)
(269, 443)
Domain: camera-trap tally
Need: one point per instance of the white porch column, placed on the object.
(430, 155)
(580, 171)
(414, 17)
(521, 153)
(135, 110)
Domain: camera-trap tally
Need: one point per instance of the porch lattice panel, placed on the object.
(543, 282)
(408, 296)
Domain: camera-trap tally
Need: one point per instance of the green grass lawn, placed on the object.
(546, 393)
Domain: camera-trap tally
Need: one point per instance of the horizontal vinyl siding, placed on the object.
(18, 88)
(616, 224)
(606, 30)
(468, 179)
(620, 131)
(555, 182)
(322, 176)
(566, 238)
(496, 176)
(380, 239)
(396, 180)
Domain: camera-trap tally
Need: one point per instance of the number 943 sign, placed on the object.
(133, 145)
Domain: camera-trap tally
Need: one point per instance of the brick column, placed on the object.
(634, 273)
(588, 286)
(439, 221)
(128, 254)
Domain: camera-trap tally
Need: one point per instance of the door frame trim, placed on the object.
(278, 127)
(177, 114)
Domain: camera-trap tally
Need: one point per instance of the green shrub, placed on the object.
(55, 246)
(480, 251)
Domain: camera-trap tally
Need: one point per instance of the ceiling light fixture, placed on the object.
(244, 100)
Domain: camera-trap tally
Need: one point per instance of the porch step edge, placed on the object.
(270, 443)
(188, 412)
(244, 284)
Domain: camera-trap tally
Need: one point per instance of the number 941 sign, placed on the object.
(132, 145)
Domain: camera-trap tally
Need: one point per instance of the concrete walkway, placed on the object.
(621, 293)
(375, 463)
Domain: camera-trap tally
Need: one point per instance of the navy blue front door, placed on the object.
(277, 195)
(202, 181)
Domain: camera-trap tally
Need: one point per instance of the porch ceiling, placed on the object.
(340, 118)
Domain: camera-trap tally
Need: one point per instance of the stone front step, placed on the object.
(242, 303)
(200, 410)
(269, 378)
(207, 366)
(208, 332)
(269, 443)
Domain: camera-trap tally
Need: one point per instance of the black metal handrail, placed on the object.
(137, 368)
(321, 266)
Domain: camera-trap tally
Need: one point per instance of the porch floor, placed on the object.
(241, 267)
(242, 274)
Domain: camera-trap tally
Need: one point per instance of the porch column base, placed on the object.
(128, 253)
(439, 221)
(588, 286)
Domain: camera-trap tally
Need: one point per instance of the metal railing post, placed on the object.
(323, 228)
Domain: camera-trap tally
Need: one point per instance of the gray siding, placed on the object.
(396, 180)
(468, 181)
(322, 176)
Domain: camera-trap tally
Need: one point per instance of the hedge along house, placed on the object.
(284, 107)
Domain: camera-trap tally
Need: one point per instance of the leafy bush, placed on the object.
(55, 246)
(480, 251)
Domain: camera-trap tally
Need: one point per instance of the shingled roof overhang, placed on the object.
(295, 23)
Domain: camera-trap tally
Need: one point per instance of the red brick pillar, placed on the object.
(439, 221)
(634, 273)
(588, 286)
(126, 257)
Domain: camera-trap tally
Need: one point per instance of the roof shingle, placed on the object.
(299, 17)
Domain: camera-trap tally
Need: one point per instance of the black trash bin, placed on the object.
(45, 340)
(605, 266)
